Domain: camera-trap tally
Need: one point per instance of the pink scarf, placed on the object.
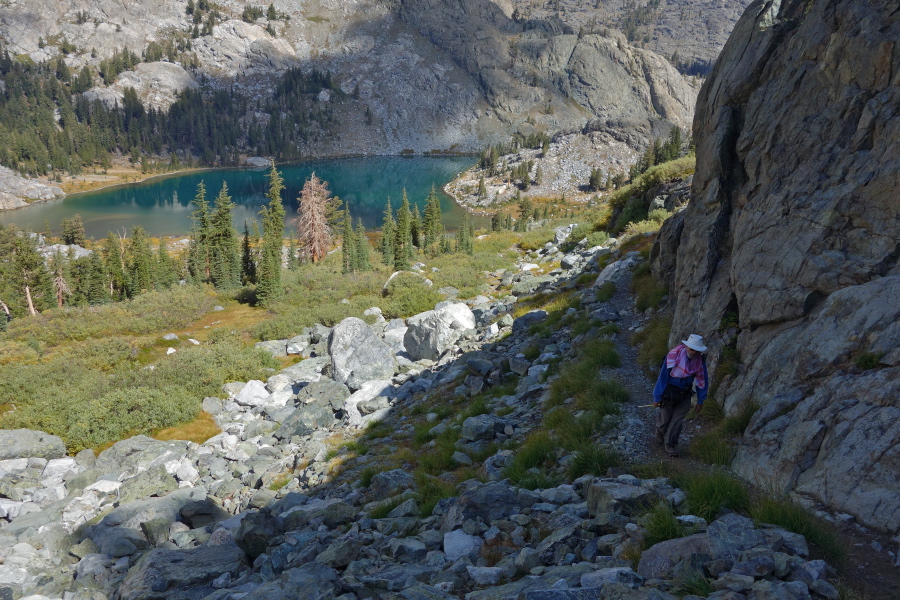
(682, 366)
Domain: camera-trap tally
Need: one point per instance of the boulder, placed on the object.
(357, 354)
(431, 333)
(659, 560)
(489, 502)
(254, 393)
(368, 392)
(27, 443)
(256, 531)
(391, 483)
(482, 427)
(524, 323)
(160, 573)
(325, 392)
(731, 535)
(459, 544)
(622, 498)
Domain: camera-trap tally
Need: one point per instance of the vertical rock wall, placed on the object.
(794, 226)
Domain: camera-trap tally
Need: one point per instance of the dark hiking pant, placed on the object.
(669, 420)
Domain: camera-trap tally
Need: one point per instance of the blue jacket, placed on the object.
(684, 383)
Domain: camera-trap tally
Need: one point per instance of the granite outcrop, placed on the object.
(788, 251)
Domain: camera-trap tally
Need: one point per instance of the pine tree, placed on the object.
(166, 271)
(248, 262)
(268, 287)
(29, 275)
(416, 227)
(140, 264)
(114, 263)
(525, 210)
(387, 235)
(95, 290)
(403, 235)
(482, 189)
(314, 224)
(349, 260)
(595, 181)
(225, 263)
(362, 248)
(73, 231)
(199, 251)
(432, 224)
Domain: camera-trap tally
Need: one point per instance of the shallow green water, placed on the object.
(163, 205)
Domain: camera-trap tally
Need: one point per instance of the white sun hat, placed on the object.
(694, 342)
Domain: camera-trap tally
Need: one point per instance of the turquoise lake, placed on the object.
(162, 205)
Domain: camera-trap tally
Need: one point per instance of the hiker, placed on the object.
(683, 368)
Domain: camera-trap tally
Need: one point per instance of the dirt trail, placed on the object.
(869, 569)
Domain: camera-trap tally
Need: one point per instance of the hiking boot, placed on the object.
(659, 438)
(672, 452)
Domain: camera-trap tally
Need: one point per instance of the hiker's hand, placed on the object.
(698, 408)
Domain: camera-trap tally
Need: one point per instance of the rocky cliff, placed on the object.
(792, 233)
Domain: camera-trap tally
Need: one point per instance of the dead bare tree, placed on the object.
(313, 226)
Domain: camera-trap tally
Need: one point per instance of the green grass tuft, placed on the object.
(592, 459)
(708, 493)
(661, 525)
(797, 519)
(365, 477)
(382, 510)
(605, 292)
(712, 449)
(653, 344)
(868, 360)
(736, 425)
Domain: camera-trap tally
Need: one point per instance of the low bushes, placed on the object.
(149, 313)
(89, 400)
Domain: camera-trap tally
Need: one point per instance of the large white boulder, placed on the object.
(431, 333)
(357, 354)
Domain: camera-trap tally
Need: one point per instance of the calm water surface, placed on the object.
(163, 205)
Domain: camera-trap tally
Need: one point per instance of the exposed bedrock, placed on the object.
(794, 230)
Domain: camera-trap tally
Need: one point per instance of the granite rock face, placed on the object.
(793, 230)
(17, 191)
(157, 85)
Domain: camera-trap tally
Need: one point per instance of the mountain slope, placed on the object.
(417, 75)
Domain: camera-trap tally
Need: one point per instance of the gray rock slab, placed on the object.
(27, 443)
(160, 572)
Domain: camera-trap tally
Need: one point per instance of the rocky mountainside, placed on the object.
(264, 509)
(418, 75)
(694, 30)
(788, 250)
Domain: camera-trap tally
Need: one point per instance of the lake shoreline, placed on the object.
(161, 201)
